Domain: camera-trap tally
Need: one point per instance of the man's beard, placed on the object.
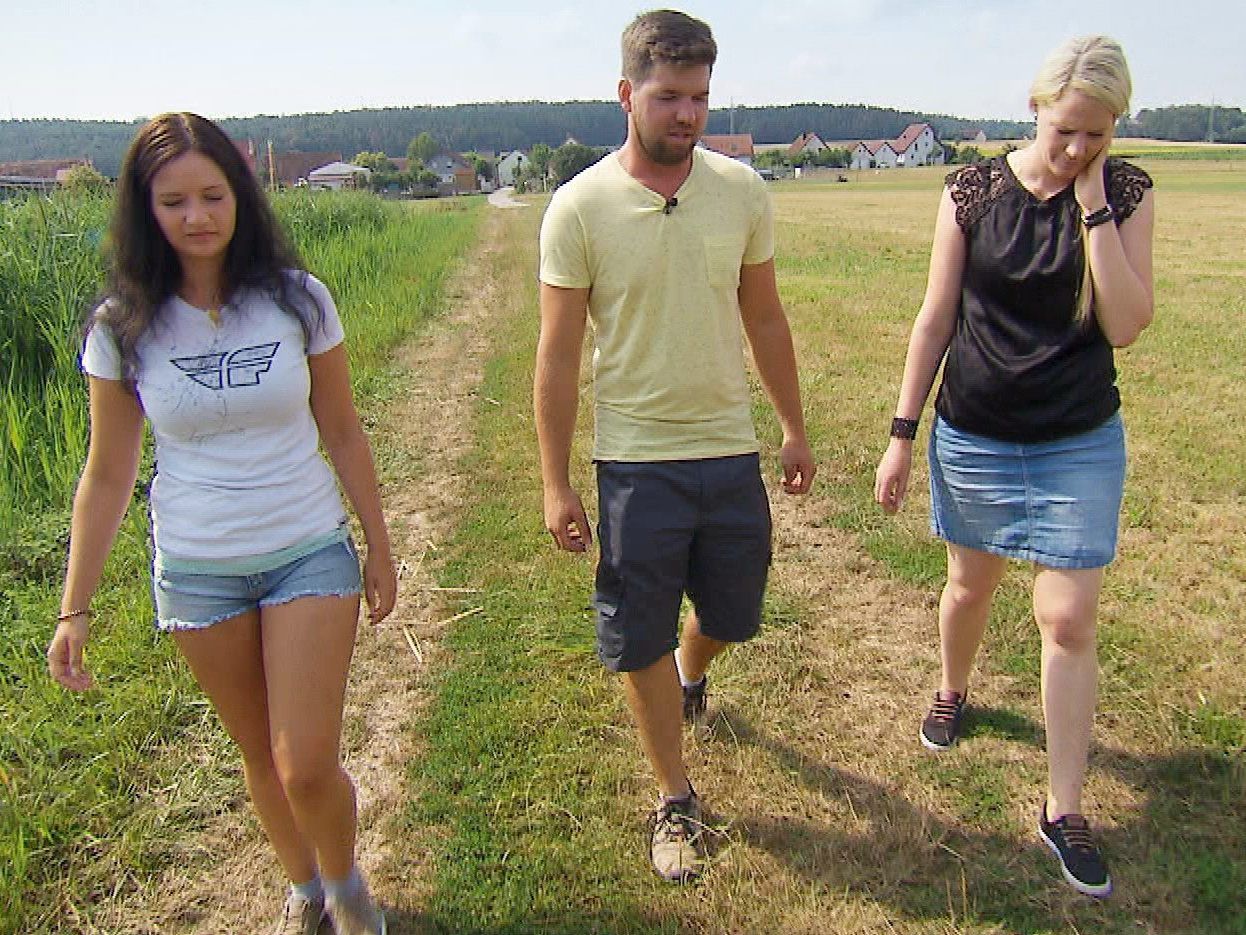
(662, 152)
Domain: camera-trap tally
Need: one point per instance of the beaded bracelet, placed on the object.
(61, 618)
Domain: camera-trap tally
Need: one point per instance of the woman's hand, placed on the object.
(65, 654)
(891, 480)
(1088, 187)
(380, 584)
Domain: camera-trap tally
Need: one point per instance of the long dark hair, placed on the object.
(144, 271)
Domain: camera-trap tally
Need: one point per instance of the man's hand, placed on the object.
(566, 520)
(798, 468)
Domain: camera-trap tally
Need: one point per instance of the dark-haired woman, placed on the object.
(213, 333)
(1041, 264)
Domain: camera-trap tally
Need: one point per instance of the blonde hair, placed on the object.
(1096, 67)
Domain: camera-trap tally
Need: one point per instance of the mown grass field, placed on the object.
(96, 790)
(832, 818)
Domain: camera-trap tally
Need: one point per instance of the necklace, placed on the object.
(214, 316)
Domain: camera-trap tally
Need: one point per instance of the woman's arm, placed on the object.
(333, 407)
(1120, 259)
(100, 502)
(931, 334)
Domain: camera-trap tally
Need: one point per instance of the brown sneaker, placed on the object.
(941, 727)
(676, 848)
(300, 916)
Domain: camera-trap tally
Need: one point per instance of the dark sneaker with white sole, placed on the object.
(1070, 839)
(941, 727)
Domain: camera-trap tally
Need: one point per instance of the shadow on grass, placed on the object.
(1178, 860)
(402, 922)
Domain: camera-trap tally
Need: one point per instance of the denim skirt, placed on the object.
(1056, 503)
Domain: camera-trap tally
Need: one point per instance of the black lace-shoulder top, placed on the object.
(1019, 366)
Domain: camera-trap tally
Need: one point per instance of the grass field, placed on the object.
(529, 788)
(95, 790)
(1140, 148)
(832, 818)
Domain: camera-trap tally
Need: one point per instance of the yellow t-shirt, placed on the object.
(668, 363)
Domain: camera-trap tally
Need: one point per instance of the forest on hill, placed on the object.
(481, 127)
(505, 126)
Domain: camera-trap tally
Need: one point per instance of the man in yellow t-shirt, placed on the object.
(669, 250)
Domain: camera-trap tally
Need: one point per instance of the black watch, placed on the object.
(1095, 218)
(904, 428)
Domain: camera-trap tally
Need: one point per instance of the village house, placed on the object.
(807, 143)
(510, 165)
(738, 146)
(292, 168)
(456, 176)
(917, 146)
(37, 174)
(339, 175)
(873, 154)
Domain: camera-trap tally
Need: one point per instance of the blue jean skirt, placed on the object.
(1055, 503)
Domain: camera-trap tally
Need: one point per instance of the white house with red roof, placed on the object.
(873, 154)
(916, 146)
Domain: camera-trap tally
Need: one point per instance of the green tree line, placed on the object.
(480, 127)
(1190, 122)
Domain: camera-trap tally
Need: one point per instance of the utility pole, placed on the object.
(1211, 122)
(272, 168)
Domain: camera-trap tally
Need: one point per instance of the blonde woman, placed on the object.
(1041, 265)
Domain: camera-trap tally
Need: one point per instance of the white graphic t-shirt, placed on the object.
(238, 467)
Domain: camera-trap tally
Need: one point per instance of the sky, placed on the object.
(228, 58)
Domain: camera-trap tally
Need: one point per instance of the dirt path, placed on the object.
(225, 880)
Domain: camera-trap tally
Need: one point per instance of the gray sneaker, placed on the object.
(356, 914)
(676, 847)
(300, 916)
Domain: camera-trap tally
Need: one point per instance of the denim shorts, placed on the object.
(193, 601)
(670, 528)
(1055, 503)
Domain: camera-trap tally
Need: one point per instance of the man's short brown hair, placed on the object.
(665, 37)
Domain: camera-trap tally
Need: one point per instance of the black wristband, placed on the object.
(1095, 218)
(904, 428)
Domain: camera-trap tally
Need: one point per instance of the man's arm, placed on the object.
(770, 338)
(555, 399)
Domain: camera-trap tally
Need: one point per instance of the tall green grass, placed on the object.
(97, 790)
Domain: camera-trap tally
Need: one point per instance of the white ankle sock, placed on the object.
(683, 680)
(312, 890)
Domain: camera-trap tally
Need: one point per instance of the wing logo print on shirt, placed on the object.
(235, 368)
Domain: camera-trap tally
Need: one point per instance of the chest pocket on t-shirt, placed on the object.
(722, 263)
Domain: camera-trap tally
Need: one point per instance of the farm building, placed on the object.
(736, 145)
(338, 175)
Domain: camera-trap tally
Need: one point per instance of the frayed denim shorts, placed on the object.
(1055, 503)
(187, 600)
